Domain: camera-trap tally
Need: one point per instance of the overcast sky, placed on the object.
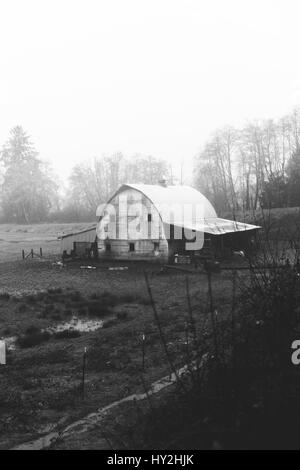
(89, 77)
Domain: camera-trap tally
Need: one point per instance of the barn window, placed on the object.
(131, 247)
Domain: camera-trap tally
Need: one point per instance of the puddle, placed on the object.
(82, 325)
(77, 324)
(93, 419)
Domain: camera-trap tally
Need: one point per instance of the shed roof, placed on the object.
(66, 235)
(217, 226)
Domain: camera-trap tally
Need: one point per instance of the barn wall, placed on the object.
(150, 243)
(143, 250)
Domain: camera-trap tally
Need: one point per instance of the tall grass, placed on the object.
(241, 390)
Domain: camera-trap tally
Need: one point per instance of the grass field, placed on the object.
(15, 238)
(40, 387)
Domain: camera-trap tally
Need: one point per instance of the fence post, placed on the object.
(143, 351)
(41, 252)
(83, 373)
(31, 253)
(23, 254)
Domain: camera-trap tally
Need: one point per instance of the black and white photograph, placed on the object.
(149, 227)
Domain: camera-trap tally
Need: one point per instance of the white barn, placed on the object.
(135, 225)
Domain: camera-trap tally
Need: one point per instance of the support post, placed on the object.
(143, 352)
(83, 373)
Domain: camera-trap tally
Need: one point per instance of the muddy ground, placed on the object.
(41, 385)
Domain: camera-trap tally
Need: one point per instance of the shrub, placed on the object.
(54, 290)
(32, 330)
(7, 331)
(4, 296)
(32, 338)
(68, 312)
(56, 317)
(76, 296)
(109, 323)
(98, 309)
(122, 315)
(30, 298)
(22, 308)
(67, 334)
(48, 309)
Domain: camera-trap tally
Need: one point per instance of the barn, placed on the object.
(161, 222)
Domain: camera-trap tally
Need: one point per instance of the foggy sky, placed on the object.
(85, 78)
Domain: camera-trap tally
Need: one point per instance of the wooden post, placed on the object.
(212, 312)
(31, 253)
(23, 254)
(143, 352)
(83, 373)
(41, 252)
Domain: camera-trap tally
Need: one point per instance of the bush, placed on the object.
(33, 337)
(56, 317)
(22, 308)
(30, 298)
(98, 309)
(67, 334)
(76, 296)
(68, 312)
(109, 323)
(122, 315)
(54, 290)
(4, 296)
(48, 309)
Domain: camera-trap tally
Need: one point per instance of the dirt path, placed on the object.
(94, 419)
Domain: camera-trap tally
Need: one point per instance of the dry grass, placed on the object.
(15, 238)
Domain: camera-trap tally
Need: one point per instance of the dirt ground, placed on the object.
(41, 384)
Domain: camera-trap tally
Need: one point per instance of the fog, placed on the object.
(87, 78)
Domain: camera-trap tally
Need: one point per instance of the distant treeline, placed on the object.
(256, 166)
(31, 192)
(238, 170)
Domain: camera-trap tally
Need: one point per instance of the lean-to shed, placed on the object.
(82, 243)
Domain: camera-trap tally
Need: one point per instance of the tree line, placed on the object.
(31, 193)
(256, 166)
(237, 169)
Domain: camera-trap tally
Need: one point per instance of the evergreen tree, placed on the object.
(27, 188)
